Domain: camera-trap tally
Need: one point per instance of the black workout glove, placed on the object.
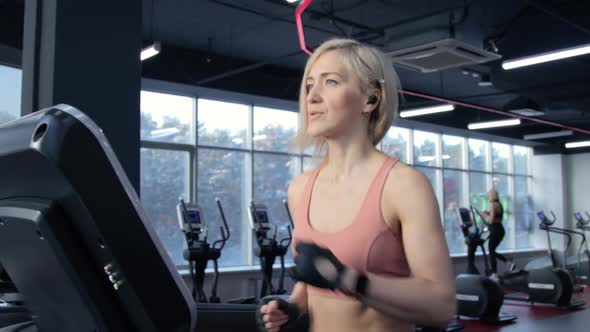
(306, 271)
(289, 308)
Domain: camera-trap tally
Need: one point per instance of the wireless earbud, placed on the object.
(373, 100)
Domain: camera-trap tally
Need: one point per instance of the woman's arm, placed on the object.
(299, 296)
(428, 295)
(492, 214)
(294, 193)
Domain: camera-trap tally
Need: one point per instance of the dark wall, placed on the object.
(209, 70)
(86, 54)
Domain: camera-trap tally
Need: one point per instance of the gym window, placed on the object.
(10, 93)
(239, 151)
(234, 151)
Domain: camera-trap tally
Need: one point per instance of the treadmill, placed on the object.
(67, 216)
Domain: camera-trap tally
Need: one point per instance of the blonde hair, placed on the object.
(374, 72)
(493, 195)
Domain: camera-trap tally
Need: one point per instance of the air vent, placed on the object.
(440, 55)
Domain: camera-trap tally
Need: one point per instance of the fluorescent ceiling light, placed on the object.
(549, 134)
(150, 51)
(493, 124)
(427, 110)
(572, 145)
(546, 57)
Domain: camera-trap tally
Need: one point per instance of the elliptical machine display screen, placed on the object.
(262, 217)
(578, 216)
(541, 215)
(194, 217)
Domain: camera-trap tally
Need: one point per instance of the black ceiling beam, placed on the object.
(553, 13)
(333, 17)
(189, 66)
(265, 15)
(273, 60)
(263, 63)
(250, 67)
(423, 16)
(524, 89)
(246, 68)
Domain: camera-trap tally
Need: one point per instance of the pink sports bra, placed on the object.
(367, 245)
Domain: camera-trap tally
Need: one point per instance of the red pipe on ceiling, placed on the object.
(300, 9)
(305, 3)
(491, 110)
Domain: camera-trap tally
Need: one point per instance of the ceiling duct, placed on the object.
(524, 106)
(438, 47)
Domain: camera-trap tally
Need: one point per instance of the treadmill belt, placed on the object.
(219, 317)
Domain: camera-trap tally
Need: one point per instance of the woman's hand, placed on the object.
(275, 312)
(273, 317)
(317, 266)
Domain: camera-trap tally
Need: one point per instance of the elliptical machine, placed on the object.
(577, 265)
(198, 251)
(549, 285)
(478, 296)
(582, 224)
(474, 239)
(269, 248)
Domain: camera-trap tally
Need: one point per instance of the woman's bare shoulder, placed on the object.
(405, 183)
(403, 177)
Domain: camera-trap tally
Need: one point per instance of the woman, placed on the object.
(494, 217)
(369, 245)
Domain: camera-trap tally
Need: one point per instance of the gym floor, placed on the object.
(539, 317)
